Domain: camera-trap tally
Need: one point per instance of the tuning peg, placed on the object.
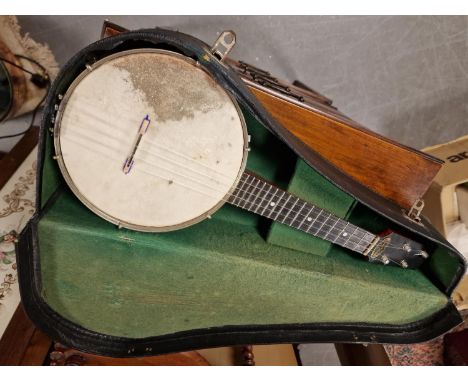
(385, 260)
(422, 254)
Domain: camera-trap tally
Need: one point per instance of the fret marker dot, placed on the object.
(272, 204)
(345, 234)
(309, 219)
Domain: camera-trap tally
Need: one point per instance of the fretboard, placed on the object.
(261, 197)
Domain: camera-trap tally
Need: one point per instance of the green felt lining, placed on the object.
(134, 284)
(221, 271)
(307, 184)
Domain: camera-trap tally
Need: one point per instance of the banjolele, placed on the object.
(149, 141)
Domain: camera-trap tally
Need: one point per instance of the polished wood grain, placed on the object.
(387, 168)
(248, 355)
(37, 350)
(22, 343)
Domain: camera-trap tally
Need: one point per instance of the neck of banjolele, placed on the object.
(258, 196)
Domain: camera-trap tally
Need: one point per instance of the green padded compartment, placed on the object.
(221, 271)
(307, 184)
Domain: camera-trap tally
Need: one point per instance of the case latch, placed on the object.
(415, 211)
(224, 44)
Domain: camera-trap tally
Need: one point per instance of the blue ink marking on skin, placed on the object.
(129, 168)
(147, 118)
(128, 164)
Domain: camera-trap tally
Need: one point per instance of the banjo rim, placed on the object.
(68, 179)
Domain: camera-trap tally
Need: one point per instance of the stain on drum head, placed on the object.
(185, 164)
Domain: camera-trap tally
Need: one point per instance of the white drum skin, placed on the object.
(192, 150)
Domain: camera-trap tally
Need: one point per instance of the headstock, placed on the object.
(394, 249)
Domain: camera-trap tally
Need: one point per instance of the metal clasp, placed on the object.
(224, 44)
(415, 211)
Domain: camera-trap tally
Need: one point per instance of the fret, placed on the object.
(363, 233)
(321, 226)
(370, 238)
(290, 210)
(331, 229)
(343, 236)
(367, 239)
(354, 239)
(269, 202)
(262, 197)
(280, 204)
(306, 217)
(311, 225)
(238, 193)
(312, 221)
(283, 206)
(274, 202)
(357, 244)
(346, 243)
(298, 213)
(328, 227)
(249, 180)
(253, 194)
(247, 194)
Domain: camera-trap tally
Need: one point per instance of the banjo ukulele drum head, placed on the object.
(149, 141)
